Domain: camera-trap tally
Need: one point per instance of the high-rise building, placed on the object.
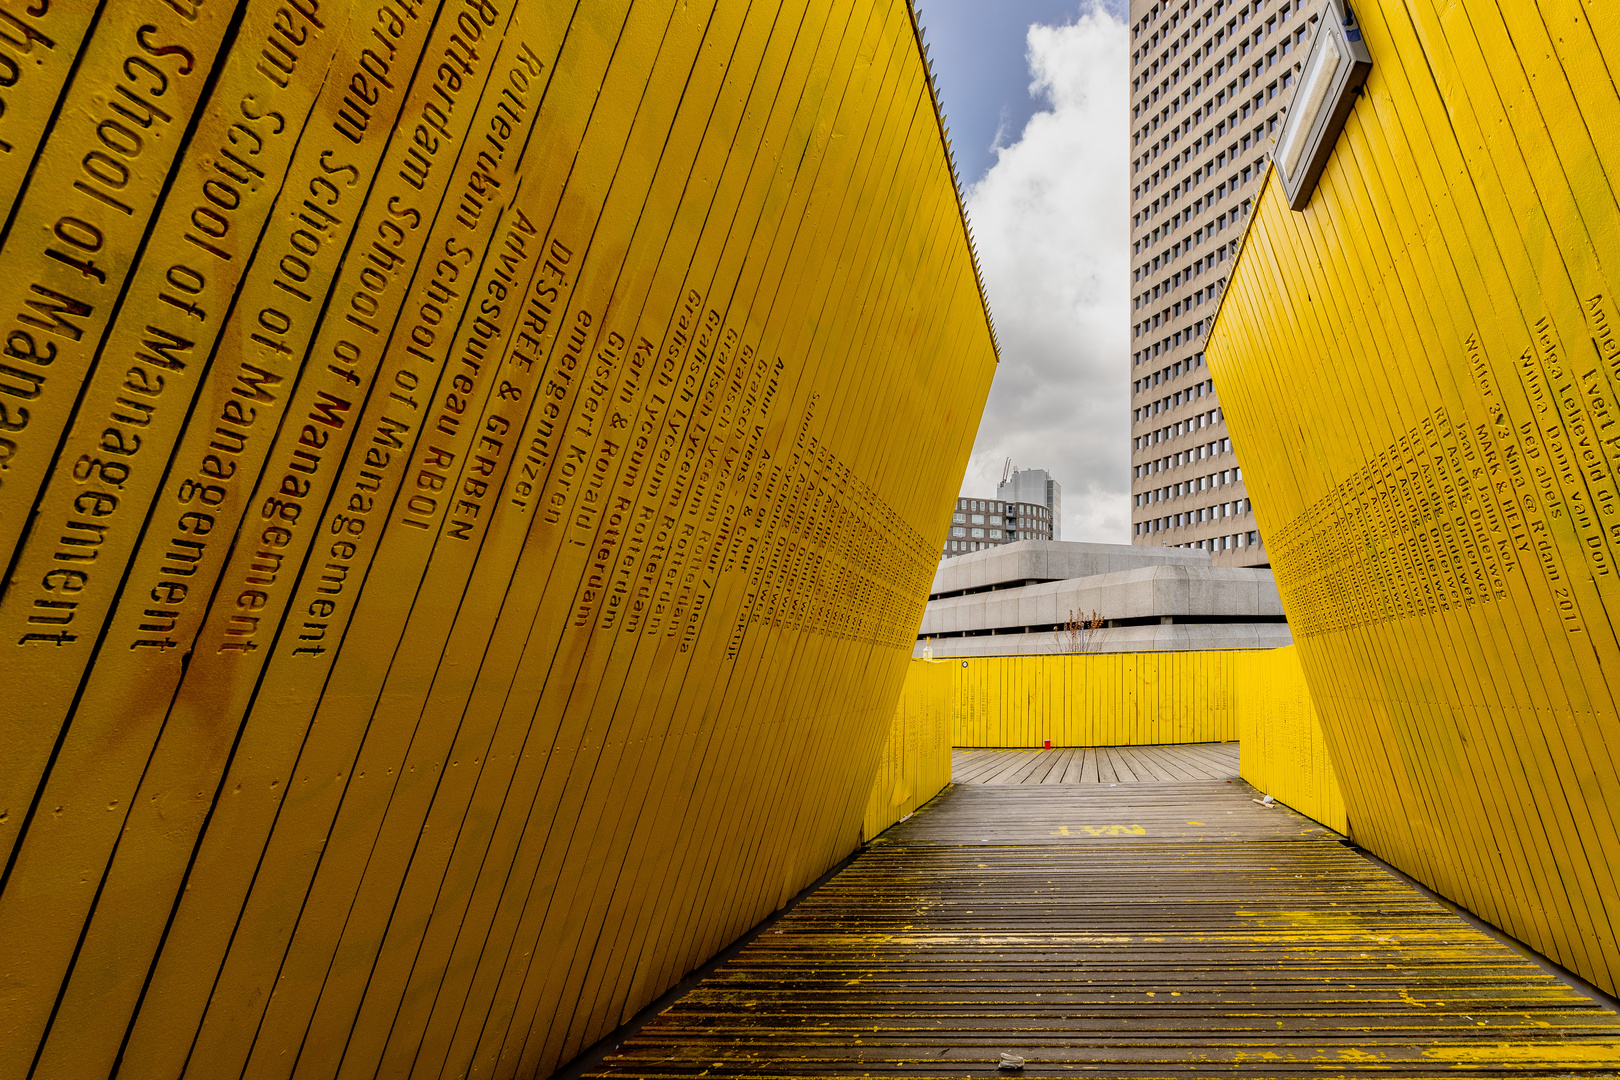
(1035, 486)
(1209, 83)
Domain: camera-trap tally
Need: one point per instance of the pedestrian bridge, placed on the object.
(1121, 912)
(466, 516)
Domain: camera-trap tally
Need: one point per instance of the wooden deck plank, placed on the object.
(1123, 773)
(968, 765)
(993, 763)
(1031, 761)
(1096, 764)
(1212, 934)
(1044, 760)
(1105, 767)
(1167, 765)
(1184, 767)
(1076, 765)
(1089, 773)
(1222, 756)
(1200, 752)
(1145, 766)
(1060, 767)
(1164, 766)
(1122, 765)
(1055, 761)
(1006, 763)
(1019, 761)
(1039, 762)
(991, 766)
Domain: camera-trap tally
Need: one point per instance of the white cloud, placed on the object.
(1050, 222)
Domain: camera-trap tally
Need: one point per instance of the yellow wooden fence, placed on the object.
(1258, 697)
(1111, 699)
(1280, 742)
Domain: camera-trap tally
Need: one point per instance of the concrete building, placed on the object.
(1035, 486)
(1018, 599)
(981, 524)
(1209, 83)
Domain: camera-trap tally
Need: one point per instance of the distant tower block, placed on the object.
(1210, 85)
(1037, 487)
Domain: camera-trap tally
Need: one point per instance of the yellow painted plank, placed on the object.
(38, 46)
(71, 248)
(73, 241)
(1108, 699)
(227, 183)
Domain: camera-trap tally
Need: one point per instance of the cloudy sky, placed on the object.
(1035, 96)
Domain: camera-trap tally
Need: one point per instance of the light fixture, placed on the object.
(1334, 70)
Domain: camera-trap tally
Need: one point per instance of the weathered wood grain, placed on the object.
(1147, 929)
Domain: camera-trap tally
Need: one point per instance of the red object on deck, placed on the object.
(1048, 745)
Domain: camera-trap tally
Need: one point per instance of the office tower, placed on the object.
(1035, 486)
(1209, 84)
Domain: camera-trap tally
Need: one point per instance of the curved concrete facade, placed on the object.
(1050, 560)
(1120, 639)
(1014, 601)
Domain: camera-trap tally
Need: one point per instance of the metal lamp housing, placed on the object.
(1332, 75)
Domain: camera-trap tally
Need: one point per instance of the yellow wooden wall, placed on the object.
(469, 509)
(1108, 699)
(1421, 374)
(916, 761)
(1281, 747)
(1256, 696)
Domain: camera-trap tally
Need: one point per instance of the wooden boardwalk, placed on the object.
(1143, 930)
(1096, 764)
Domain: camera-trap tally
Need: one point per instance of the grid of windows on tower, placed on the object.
(1210, 84)
(981, 524)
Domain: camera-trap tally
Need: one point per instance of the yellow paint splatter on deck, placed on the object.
(1575, 1055)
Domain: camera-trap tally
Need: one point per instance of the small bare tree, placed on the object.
(1079, 632)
